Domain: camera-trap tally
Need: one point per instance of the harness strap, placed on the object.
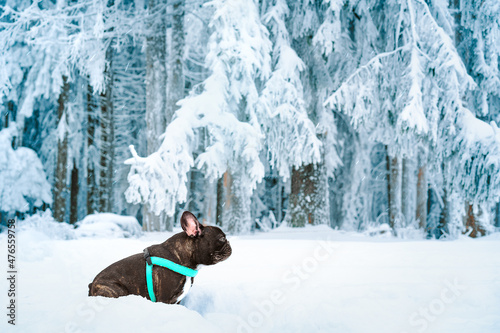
(150, 261)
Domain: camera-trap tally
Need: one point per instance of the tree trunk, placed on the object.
(208, 201)
(471, 222)
(156, 89)
(280, 201)
(407, 207)
(9, 113)
(196, 194)
(422, 196)
(394, 182)
(75, 187)
(107, 139)
(226, 196)
(219, 210)
(309, 201)
(445, 214)
(62, 154)
(457, 16)
(497, 215)
(175, 87)
(91, 152)
(237, 217)
(175, 91)
(343, 174)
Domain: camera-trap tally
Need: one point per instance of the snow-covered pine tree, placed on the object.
(290, 135)
(15, 62)
(313, 31)
(47, 79)
(403, 107)
(476, 171)
(104, 49)
(225, 106)
(476, 28)
(64, 39)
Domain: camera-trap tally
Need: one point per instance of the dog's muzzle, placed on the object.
(223, 253)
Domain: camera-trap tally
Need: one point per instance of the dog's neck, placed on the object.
(182, 249)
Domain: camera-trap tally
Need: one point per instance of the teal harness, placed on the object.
(150, 261)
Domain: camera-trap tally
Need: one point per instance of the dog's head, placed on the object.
(210, 243)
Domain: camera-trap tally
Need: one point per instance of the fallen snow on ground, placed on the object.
(287, 280)
(108, 225)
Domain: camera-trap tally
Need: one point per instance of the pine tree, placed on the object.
(475, 28)
(290, 134)
(238, 56)
(401, 107)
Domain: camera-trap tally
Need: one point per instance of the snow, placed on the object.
(312, 279)
(108, 225)
(43, 226)
(476, 130)
(22, 178)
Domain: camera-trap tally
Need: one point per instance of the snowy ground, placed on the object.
(287, 280)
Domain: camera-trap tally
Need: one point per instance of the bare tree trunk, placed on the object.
(220, 201)
(471, 222)
(422, 196)
(75, 187)
(309, 201)
(107, 139)
(455, 6)
(301, 187)
(9, 113)
(445, 213)
(91, 152)
(237, 217)
(497, 215)
(406, 192)
(156, 90)
(208, 202)
(62, 154)
(394, 189)
(280, 194)
(175, 85)
(226, 196)
(343, 173)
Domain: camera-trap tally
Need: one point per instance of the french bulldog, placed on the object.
(197, 245)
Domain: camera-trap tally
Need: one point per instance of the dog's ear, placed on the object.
(190, 225)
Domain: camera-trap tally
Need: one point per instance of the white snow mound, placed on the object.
(108, 225)
(44, 226)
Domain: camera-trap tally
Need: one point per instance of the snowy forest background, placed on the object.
(362, 115)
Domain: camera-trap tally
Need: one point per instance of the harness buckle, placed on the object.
(147, 257)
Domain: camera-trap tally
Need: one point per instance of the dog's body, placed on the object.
(204, 246)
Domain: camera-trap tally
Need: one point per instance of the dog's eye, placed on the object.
(222, 239)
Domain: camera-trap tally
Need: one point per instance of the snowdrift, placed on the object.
(107, 225)
(286, 280)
